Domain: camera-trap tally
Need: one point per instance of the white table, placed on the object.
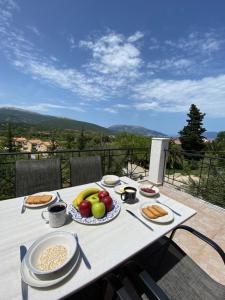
(105, 246)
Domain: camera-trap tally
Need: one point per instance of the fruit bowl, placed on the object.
(148, 190)
(76, 216)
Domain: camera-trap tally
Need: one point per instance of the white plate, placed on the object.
(148, 194)
(165, 219)
(119, 189)
(64, 238)
(48, 280)
(76, 216)
(109, 185)
(54, 197)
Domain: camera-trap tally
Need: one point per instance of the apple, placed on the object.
(98, 210)
(107, 200)
(93, 198)
(85, 208)
(102, 194)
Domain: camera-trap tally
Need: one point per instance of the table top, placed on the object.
(105, 246)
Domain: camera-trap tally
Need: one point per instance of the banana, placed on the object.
(84, 194)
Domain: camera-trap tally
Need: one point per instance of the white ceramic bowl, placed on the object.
(146, 194)
(111, 179)
(63, 238)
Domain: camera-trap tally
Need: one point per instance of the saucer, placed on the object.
(48, 280)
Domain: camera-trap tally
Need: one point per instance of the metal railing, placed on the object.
(199, 174)
(132, 162)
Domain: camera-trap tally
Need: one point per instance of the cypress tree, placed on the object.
(191, 136)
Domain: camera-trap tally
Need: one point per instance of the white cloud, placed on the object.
(177, 95)
(121, 105)
(196, 43)
(34, 30)
(43, 107)
(72, 42)
(112, 54)
(110, 110)
(135, 37)
(174, 65)
(147, 106)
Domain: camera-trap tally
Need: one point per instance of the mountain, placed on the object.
(14, 115)
(136, 130)
(210, 135)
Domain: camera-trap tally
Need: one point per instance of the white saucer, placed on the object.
(48, 280)
(119, 189)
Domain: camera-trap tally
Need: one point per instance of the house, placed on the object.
(32, 145)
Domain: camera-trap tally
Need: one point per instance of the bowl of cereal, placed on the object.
(51, 252)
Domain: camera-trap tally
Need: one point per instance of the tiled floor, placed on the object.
(209, 220)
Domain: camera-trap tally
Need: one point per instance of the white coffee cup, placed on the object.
(56, 214)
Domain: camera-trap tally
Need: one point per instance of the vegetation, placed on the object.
(191, 136)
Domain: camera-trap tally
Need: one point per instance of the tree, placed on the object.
(70, 144)
(81, 140)
(9, 145)
(191, 136)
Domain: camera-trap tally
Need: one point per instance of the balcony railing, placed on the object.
(132, 162)
(202, 175)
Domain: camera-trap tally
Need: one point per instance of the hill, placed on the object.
(210, 135)
(26, 117)
(136, 130)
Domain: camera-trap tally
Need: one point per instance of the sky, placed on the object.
(135, 62)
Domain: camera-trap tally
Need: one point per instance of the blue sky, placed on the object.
(115, 62)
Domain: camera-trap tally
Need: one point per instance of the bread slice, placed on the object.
(148, 213)
(162, 211)
(38, 199)
(154, 211)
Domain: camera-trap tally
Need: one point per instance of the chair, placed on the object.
(107, 288)
(85, 170)
(176, 275)
(34, 176)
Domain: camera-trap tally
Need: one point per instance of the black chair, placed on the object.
(85, 170)
(173, 274)
(107, 288)
(33, 176)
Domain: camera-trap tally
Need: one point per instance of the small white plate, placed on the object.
(63, 238)
(119, 189)
(109, 185)
(54, 197)
(161, 220)
(49, 280)
(148, 194)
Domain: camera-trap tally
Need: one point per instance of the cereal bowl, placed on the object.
(51, 252)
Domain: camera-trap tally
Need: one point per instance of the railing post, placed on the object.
(157, 160)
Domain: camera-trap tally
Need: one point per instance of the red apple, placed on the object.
(102, 194)
(107, 200)
(85, 208)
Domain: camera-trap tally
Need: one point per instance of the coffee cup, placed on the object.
(56, 214)
(129, 194)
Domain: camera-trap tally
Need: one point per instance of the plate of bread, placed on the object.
(39, 199)
(156, 212)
